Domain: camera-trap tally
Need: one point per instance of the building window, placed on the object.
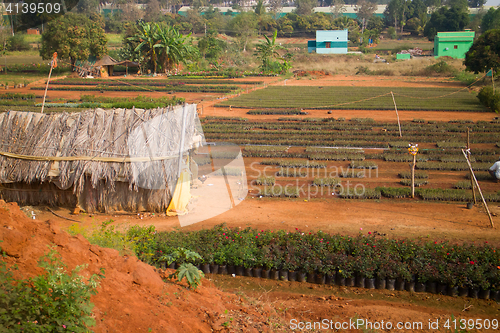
(328, 45)
(455, 47)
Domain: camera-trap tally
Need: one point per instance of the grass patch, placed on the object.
(355, 98)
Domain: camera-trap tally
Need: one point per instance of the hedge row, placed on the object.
(366, 255)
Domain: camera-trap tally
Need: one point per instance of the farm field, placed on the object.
(290, 149)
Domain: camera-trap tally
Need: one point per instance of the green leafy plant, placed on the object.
(192, 274)
(52, 302)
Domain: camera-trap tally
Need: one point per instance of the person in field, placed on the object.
(495, 170)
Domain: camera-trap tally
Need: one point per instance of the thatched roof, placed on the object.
(139, 147)
(105, 61)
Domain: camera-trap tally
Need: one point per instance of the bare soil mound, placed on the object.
(132, 297)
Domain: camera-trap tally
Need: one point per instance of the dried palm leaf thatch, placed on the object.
(109, 159)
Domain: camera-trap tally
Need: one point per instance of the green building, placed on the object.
(453, 44)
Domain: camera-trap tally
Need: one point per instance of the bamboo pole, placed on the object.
(413, 176)
(397, 115)
(468, 155)
(492, 80)
(228, 188)
(47, 85)
(479, 189)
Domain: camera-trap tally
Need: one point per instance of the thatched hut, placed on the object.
(105, 66)
(98, 160)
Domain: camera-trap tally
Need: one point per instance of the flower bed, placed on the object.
(418, 174)
(363, 165)
(336, 257)
(294, 163)
(268, 181)
(330, 182)
(179, 88)
(277, 111)
(418, 182)
(336, 157)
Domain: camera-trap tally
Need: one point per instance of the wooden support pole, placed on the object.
(470, 173)
(47, 86)
(492, 80)
(413, 176)
(479, 189)
(397, 115)
(229, 192)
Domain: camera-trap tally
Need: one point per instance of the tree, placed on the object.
(152, 11)
(476, 3)
(146, 38)
(75, 37)
(396, 12)
(491, 20)
(484, 53)
(173, 48)
(275, 7)
(267, 51)
(444, 19)
(337, 8)
(87, 7)
(161, 45)
(305, 7)
(31, 19)
(211, 48)
(244, 26)
(364, 11)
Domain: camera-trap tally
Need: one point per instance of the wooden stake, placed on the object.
(479, 189)
(397, 115)
(468, 155)
(47, 85)
(492, 81)
(228, 188)
(413, 176)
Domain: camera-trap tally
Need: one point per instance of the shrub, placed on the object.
(489, 99)
(263, 180)
(291, 172)
(281, 191)
(440, 67)
(52, 302)
(331, 182)
(18, 43)
(451, 144)
(418, 182)
(366, 193)
(192, 274)
(363, 165)
(394, 192)
(463, 184)
(418, 174)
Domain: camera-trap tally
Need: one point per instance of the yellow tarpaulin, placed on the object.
(181, 197)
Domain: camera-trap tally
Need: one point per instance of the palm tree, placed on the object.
(147, 37)
(267, 50)
(173, 47)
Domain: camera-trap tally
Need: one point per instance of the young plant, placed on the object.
(52, 302)
(192, 274)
